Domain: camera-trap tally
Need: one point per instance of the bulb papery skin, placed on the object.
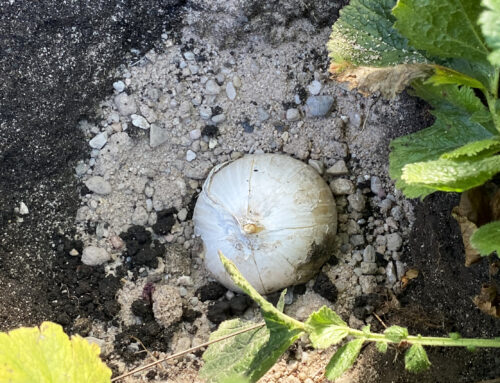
(272, 215)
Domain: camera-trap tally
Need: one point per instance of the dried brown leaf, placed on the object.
(495, 206)
(409, 275)
(494, 267)
(388, 81)
(488, 300)
(467, 228)
(477, 207)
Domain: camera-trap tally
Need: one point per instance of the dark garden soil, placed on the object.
(48, 83)
(57, 61)
(439, 301)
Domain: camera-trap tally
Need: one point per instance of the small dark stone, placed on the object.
(360, 313)
(279, 128)
(299, 289)
(324, 287)
(190, 315)
(164, 222)
(302, 92)
(151, 375)
(217, 110)
(247, 127)
(84, 190)
(142, 309)
(365, 304)
(239, 304)
(63, 319)
(210, 130)
(211, 291)
(218, 311)
(333, 260)
(380, 260)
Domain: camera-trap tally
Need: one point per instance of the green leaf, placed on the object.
(443, 75)
(396, 333)
(454, 335)
(448, 175)
(343, 359)
(232, 356)
(473, 149)
(452, 129)
(364, 35)
(490, 25)
(450, 99)
(325, 328)
(281, 302)
(416, 359)
(381, 347)
(444, 28)
(47, 355)
(486, 239)
(280, 339)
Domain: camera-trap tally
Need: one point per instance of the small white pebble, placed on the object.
(190, 155)
(23, 209)
(119, 86)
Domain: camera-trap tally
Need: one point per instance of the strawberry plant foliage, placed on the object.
(448, 51)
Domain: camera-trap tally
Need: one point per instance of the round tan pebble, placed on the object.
(116, 242)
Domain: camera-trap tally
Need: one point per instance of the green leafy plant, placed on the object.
(249, 354)
(448, 51)
(46, 354)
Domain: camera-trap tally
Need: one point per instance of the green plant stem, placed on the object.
(495, 84)
(429, 341)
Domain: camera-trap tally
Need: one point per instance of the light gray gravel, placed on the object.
(95, 256)
(99, 185)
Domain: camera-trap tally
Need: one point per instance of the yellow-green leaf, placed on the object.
(448, 175)
(443, 75)
(46, 354)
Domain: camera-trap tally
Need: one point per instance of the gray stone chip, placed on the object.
(319, 106)
(98, 185)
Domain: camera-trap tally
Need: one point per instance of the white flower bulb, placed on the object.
(272, 215)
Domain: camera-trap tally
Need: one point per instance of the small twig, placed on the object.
(380, 320)
(365, 119)
(145, 367)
